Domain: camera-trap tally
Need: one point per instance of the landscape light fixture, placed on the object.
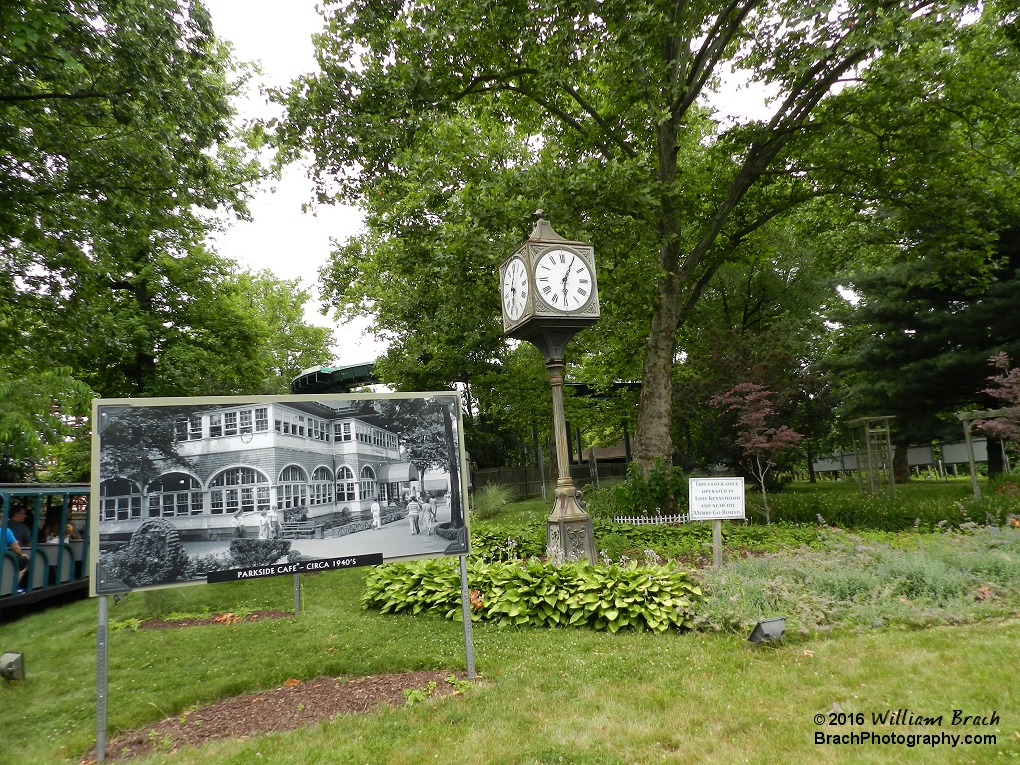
(12, 666)
(768, 630)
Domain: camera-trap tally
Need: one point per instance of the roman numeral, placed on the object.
(584, 281)
(581, 291)
(556, 298)
(546, 290)
(543, 278)
(563, 257)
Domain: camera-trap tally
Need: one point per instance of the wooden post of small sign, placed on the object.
(717, 543)
(716, 500)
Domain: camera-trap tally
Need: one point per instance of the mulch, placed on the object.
(294, 705)
(228, 618)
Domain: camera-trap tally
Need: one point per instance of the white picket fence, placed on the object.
(654, 520)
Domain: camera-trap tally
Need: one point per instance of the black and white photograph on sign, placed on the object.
(192, 490)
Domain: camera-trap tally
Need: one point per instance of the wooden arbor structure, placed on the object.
(968, 419)
(873, 453)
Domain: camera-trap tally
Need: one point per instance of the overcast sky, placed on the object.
(280, 237)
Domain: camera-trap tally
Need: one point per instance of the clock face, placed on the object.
(563, 280)
(515, 289)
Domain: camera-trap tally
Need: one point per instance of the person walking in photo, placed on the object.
(413, 513)
(376, 515)
(428, 511)
(265, 525)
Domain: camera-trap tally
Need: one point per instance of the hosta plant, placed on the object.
(541, 594)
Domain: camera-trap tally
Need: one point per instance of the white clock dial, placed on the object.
(515, 289)
(563, 280)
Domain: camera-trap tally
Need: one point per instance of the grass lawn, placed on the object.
(547, 696)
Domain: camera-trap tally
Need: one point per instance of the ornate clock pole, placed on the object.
(549, 294)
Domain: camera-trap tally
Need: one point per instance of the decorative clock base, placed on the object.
(568, 530)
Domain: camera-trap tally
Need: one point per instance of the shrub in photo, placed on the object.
(252, 553)
(154, 555)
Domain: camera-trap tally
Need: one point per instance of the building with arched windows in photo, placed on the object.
(300, 460)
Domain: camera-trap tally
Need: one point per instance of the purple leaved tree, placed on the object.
(762, 445)
(1007, 389)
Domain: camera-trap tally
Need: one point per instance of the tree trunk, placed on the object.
(652, 438)
(900, 464)
(810, 463)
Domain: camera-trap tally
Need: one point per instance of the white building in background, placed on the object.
(302, 460)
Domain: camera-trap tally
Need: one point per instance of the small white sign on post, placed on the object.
(714, 499)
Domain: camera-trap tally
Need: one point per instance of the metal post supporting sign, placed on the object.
(102, 649)
(716, 500)
(465, 607)
(104, 587)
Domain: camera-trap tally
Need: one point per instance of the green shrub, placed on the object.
(500, 541)
(849, 580)
(490, 500)
(540, 594)
(162, 602)
(662, 492)
(507, 542)
(928, 507)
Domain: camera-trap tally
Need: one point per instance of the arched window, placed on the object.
(121, 499)
(241, 488)
(175, 494)
(293, 489)
(368, 487)
(321, 490)
(345, 485)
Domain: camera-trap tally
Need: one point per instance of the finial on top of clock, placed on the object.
(543, 230)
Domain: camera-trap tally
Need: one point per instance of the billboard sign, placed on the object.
(195, 490)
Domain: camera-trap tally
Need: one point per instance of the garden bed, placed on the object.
(295, 705)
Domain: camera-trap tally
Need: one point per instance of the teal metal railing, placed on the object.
(58, 553)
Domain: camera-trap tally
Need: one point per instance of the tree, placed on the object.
(118, 151)
(140, 443)
(762, 445)
(592, 110)
(38, 413)
(111, 108)
(914, 347)
(1006, 387)
(117, 157)
(758, 321)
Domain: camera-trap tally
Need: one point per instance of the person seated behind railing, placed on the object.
(14, 547)
(16, 524)
(51, 529)
(52, 532)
